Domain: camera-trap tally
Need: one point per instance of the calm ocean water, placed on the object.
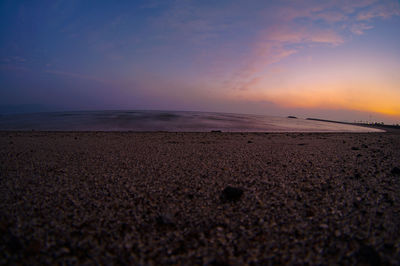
(167, 121)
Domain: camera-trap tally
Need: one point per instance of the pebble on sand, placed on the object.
(231, 194)
(396, 171)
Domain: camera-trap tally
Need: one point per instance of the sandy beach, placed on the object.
(199, 198)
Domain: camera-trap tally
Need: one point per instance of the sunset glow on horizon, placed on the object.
(329, 59)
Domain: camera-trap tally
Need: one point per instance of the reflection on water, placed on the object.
(167, 121)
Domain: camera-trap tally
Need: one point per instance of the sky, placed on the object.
(336, 60)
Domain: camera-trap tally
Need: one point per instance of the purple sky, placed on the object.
(328, 59)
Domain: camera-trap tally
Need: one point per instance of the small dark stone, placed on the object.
(219, 262)
(309, 213)
(124, 227)
(14, 244)
(33, 248)
(388, 198)
(389, 247)
(364, 146)
(355, 148)
(216, 131)
(3, 227)
(359, 155)
(249, 141)
(165, 220)
(231, 194)
(396, 171)
(368, 255)
(356, 204)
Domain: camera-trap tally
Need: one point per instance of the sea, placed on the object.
(170, 121)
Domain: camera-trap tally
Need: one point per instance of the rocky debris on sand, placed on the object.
(231, 194)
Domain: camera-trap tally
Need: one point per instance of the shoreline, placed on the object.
(171, 121)
(160, 197)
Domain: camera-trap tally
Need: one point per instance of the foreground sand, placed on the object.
(156, 198)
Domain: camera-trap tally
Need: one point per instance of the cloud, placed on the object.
(196, 24)
(14, 59)
(246, 85)
(77, 76)
(295, 35)
(329, 11)
(298, 26)
(150, 5)
(359, 29)
(384, 9)
(350, 7)
(330, 16)
(14, 63)
(275, 45)
(14, 68)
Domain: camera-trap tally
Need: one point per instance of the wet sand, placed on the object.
(162, 198)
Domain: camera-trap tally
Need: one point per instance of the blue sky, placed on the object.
(330, 59)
